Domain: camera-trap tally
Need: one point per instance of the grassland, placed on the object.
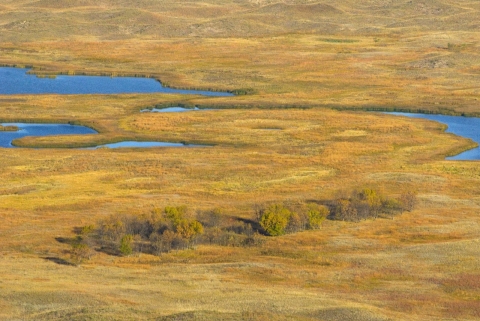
(409, 55)
(321, 57)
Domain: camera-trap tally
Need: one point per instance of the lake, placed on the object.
(16, 81)
(468, 127)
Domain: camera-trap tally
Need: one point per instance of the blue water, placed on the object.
(468, 127)
(170, 110)
(17, 81)
(135, 144)
(6, 138)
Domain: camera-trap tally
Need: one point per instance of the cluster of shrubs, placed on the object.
(368, 203)
(278, 219)
(177, 228)
(172, 228)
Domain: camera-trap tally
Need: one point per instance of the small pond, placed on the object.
(468, 127)
(6, 137)
(169, 110)
(17, 81)
(135, 144)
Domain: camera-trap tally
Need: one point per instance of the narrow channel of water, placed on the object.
(135, 144)
(468, 127)
(169, 110)
(16, 81)
(6, 137)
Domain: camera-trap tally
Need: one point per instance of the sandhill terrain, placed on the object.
(307, 72)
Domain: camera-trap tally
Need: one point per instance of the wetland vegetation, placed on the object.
(177, 228)
(308, 68)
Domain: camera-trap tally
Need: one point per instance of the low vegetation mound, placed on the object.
(177, 228)
(311, 11)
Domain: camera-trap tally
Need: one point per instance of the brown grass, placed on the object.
(347, 55)
(317, 152)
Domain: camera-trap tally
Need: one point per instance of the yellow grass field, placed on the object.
(301, 134)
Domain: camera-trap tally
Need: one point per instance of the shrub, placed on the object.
(79, 253)
(345, 210)
(188, 230)
(85, 230)
(372, 200)
(391, 206)
(165, 242)
(112, 229)
(126, 244)
(408, 200)
(316, 215)
(175, 214)
(368, 203)
(211, 218)
(275, 219)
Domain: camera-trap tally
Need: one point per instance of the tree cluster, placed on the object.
(173, 228)
(177, 228)
(368, 203)
(278, 219)
(156, 232)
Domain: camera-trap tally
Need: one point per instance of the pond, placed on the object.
(170, 110)
(6, 137)
(135, 144)
(17, 81)
(468, 127)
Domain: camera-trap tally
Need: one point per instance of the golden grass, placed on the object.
(366, 56)
(370, 75)
(347, 55)
(316, 153)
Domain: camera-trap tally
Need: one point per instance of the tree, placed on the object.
(295, 223)
(213, 235)
(126, 244)
(175, 214)
(259, 209)
(316, 215)
(188, 230)
(298, 220)
(164, 242)
(372, 200)
(212, 218)
(345, 210)
(275, 219)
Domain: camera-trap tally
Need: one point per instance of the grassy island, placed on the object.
(8, 128)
